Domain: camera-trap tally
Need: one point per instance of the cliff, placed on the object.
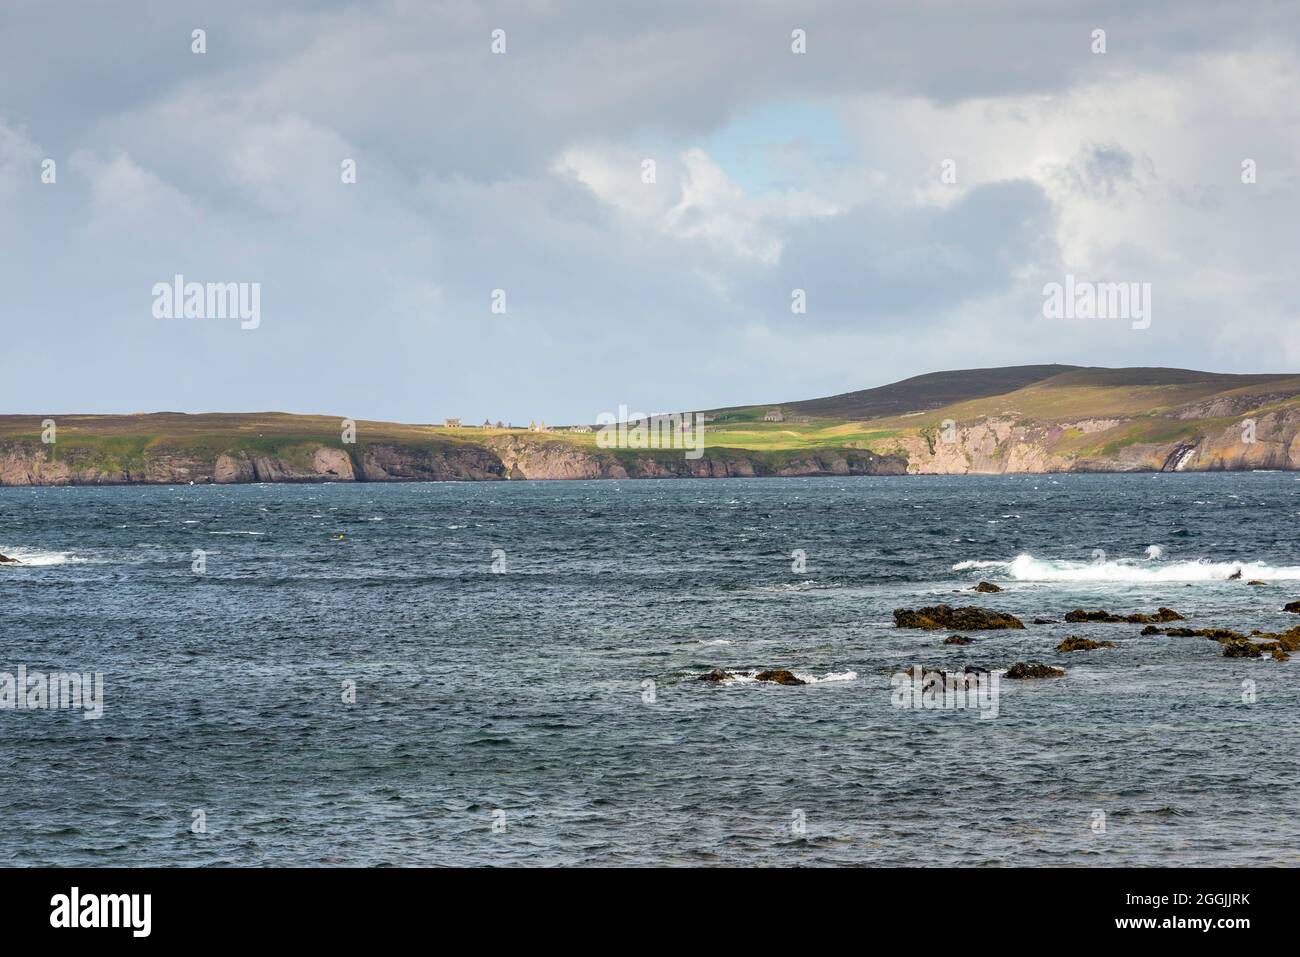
(1045, 419)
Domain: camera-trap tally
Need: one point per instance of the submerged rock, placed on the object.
(717, 674)
(1162, 614)
(1034, 669)
(987, 587)
(945, 617)
(1044, 621)
(1256, 581)
(1076, 643)
(6, 560)
(956, 640)
(779, 676)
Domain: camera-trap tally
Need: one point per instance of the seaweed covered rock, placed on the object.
(987, 587)
(1033, 669)
(779, 676)
(1162, 614)
(947, 618)
(956, 640)
(1218, 634)
(1076, 643)
(1242, 649)
(1288, 640)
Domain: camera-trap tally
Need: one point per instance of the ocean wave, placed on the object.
(31, 557)
(1027, 568)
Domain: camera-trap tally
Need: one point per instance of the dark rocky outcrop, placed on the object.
(987, 587)
(945, 617)
(1241, 649)
(1162, 614)
(1021, 670)
(6, 560)
(956, 640)
(1076, 643)
(779, 676)
(717, 674)
(1218, 634)
(1044, 621)
(1279, 644)
(1256, 581)
(1292, 606)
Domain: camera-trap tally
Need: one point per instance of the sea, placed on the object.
(509, 673)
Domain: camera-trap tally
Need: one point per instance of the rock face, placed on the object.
(999, 444)
(495, 457)
(947, 618)
(1162, 614)
(1021, 670)
(1076, 643)
(987, 587)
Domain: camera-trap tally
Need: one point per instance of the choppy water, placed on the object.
(524, 691)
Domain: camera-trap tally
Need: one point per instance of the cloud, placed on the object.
(523, 172)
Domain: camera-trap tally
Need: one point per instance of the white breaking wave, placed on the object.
(29, 557)
(1027, 568)
(830, 676)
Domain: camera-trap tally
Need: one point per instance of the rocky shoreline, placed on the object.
(1235, 644)
(498, 459)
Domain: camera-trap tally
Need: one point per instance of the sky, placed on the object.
(920, 172)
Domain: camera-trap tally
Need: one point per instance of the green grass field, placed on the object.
(1124, 407)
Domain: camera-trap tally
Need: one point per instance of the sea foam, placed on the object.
(1027, 568)
(36, 558)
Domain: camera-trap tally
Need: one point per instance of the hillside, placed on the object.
(1019, 419)
(919, 393)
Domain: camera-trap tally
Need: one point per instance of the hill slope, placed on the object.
(1018, 419)
(922, 392)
